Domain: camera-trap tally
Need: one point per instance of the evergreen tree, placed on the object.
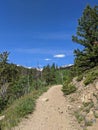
(87, 30)
(87, 36)
(4, 57)
(49, 74)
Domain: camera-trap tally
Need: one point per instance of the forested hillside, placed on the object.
(16, 81)
(21, 86)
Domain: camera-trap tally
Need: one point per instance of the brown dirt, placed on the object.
(51, 113)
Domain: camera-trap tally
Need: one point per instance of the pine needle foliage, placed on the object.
(87, 36)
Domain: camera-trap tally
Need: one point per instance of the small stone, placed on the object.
(2, 117)
(69, 107)
(61, 112)
(96, 85)
(94, 120)
(45, 99)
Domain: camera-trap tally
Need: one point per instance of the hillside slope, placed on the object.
(84, 104)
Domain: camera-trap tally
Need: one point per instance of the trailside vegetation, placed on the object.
(86, 60)
(21, 86)
(17, 81)
(87, 36)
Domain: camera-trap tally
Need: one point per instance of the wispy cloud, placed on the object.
(51, 36)
(35, 51)
(59, 56)
(28, 50)
(38, 35)
(57, 53)
(47, 59)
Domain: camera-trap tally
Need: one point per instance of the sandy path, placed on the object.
(50, 114)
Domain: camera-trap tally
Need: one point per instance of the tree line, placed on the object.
(16, 81)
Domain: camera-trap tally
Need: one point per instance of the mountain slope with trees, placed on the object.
(20, 86)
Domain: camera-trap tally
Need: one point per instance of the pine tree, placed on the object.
(87, 30)
(4, 57)
(87, 36)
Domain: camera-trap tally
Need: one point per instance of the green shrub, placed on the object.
(25, 107)
(88, 106)
(89, 123)
(80, 77)
(68, 88)
(95, 114)
(20, 108)
(87, 109)
(3, 103)
(91, 76)
(79, 117)
(89, 79)
(96, 96)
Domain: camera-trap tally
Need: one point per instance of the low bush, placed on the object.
(91, 76)
(95, 114)
(80, 77)
(89, 79)
(79, 117)
(20, 108)
(88, 123)
(68, 88)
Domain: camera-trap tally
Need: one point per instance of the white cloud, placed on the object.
(47, 59)
(45, 51)
(51, 35)
(59, 56)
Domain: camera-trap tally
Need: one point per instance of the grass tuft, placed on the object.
(20, 109)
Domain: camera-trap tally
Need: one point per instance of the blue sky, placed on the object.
(39, 32)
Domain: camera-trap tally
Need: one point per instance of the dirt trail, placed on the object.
(50, 114)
